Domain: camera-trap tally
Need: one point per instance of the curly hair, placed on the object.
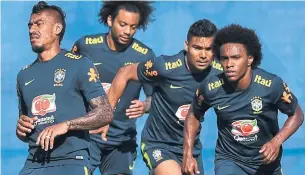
(235, 33)
(43, 6)
(144, 8)
(202, 28)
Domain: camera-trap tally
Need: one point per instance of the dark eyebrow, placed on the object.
(30, 23)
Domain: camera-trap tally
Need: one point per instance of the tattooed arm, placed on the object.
(100, 115)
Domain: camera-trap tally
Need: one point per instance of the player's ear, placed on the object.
(58, 28)
(250, 60)
(186, 47)
(109, 21)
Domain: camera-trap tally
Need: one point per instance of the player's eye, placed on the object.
(208, 48)
(197, 48)
(122, 24)
(39, 23)
(134, 27)
(236, 57)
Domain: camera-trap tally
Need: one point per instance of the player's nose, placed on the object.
(127, 31)
(202, 54)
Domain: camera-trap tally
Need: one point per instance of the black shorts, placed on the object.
(118, 160)
(154, 154)
(228, 167)
(58, 170)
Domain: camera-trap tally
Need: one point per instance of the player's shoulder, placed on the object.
(71, 56)
(137, 47)
(166, 65)
(216, 66)
(91, 40)
(172, 62)
(264, 78)
(74, 59)
(26, 69)
(212, 84)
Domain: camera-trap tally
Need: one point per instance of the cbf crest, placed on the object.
(257, 105)
(59, 77)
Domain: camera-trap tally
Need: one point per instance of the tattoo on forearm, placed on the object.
(100, 115)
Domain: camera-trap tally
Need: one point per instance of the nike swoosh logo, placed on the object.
(27, 83)
(175, 87)
(131, 167)
(223, 107)
(96, 64)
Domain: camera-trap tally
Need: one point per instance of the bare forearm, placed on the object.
(120, 81)
(147, 104)
(190, 130)
(291, 125)
(100, 115)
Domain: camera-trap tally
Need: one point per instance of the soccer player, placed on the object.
(109, 52)
(246, 100)
(52, 93)
(175, 79)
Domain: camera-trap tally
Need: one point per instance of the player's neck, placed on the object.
(244, 82)
(113, 45)
(49, 53)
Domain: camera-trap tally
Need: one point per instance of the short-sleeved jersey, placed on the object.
(174, 88)
(56, 91)
(108, 62)
(247, 119)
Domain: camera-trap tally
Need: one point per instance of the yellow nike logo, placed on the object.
(175, 87)
(27, 83)
(96, 64)
(221, 108)
(131, 167)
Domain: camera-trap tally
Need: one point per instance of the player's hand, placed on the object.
(270, 151)
(47, 136)
(189, 165)
(25, 125)
(136, 109)
(102, 130)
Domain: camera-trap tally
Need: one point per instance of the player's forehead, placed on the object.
(201, 41)
(233, 49)
(128, 17)
(41, 16)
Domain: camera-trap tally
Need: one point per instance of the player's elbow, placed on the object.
(127, 73)
(301, 118)
(299, 115)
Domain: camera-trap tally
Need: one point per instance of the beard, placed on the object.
(37, 49)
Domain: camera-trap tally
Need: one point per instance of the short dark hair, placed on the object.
(43, 6)
(235, 33)
(144, 8)
(202, 28)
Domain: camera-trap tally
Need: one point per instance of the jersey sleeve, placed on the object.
(199, 104)
(152, 71)
(284, 99)
(88, 79)
(148, 88)
(21, 104)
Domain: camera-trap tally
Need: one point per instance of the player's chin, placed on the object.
(37, 48)
(124, 41)
(231, 78)
(202, 67)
